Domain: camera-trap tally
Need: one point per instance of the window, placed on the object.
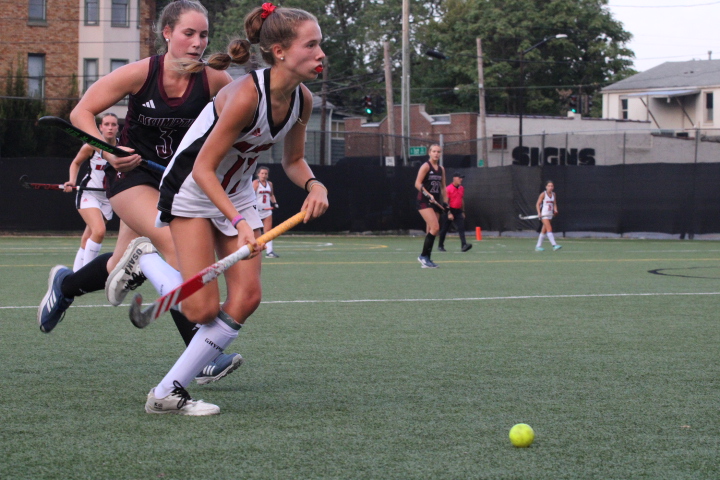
(90, 72)
(624, 108)
(119, 13)
(139, 9)
(499, 142)
(337, 128)
(36, 11)
(709, 106)
(114, 65)
(36, 75)
(92, 12)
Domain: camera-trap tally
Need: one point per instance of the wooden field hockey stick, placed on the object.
(432, 200)
(53, 186)
(84, 137)
(143, 318)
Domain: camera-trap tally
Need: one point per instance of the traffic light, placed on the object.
(573, 103)
(368, 105)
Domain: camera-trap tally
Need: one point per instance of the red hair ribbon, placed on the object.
(268, 8)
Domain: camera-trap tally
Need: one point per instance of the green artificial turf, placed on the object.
(360, 364)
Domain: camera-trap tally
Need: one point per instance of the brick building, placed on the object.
(63, 46)
(362, 137)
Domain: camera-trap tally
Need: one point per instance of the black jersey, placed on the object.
(432, 183)
(155, 124)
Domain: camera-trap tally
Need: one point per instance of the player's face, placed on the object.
(457, 181)
(109, 127)
(435, 152)
(304, 56)
(263, 175)
(549, 187)
(189, 38)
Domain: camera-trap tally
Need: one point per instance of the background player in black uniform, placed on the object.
(164, 102)
(430, 183)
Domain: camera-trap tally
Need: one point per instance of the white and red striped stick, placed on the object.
(143, 318)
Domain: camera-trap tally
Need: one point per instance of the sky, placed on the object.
(669, 30)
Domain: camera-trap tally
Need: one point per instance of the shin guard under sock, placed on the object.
(90, 278)
(428, 245)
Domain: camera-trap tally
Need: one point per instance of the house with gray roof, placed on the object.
(677, 98)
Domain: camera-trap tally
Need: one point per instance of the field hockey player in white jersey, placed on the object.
(266, 202)
(163, 101)
(546, 207)
(207, 196)
(94, 207)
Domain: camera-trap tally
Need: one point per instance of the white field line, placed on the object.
(457, 299)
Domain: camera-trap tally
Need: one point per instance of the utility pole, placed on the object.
(390, 104)
(323, 113)
(405, 80)
(481, 102)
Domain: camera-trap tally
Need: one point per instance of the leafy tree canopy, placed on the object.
(593, 54)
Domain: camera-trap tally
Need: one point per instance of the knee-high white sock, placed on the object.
(78, 264)
(92, 250)
(269, 246)
(209, 342)
(552, 238)
(540, 239)
(162, 276)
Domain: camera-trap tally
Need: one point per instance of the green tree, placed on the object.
(592, 56)
(18, 114)
(354, 32)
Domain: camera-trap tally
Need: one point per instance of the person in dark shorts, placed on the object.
(163, 103)
(430, 201)
(456, 213)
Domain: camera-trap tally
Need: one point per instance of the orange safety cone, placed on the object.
(478, 233)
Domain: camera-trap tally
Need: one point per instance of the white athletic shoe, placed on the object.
(127, 274)
(180, 403)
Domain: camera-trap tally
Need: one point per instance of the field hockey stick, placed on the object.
(432, 200)
(143, 318)
(84, 137)
(528, 217)
(52, 186)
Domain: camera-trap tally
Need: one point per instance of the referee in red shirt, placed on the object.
(456, 213)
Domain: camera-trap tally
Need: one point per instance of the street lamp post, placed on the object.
(522, 80)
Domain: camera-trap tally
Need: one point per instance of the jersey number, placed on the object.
(165, 150)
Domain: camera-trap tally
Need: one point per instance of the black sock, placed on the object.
(89, 278)
(186, 328)
(428, 245)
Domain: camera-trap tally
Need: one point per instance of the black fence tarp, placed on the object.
(665, 198)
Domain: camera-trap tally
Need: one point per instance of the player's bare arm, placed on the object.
(297, 169)
(105, 93)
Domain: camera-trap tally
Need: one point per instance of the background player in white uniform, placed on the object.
(265, 204)
(94, 207)
(546, 207)
(206, 193)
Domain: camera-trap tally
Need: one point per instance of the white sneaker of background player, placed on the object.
(127, 274)
(179, 403)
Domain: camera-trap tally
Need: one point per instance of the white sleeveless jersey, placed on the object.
(95, 177)
(548, 205)
(263, 196)
(181, 196)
